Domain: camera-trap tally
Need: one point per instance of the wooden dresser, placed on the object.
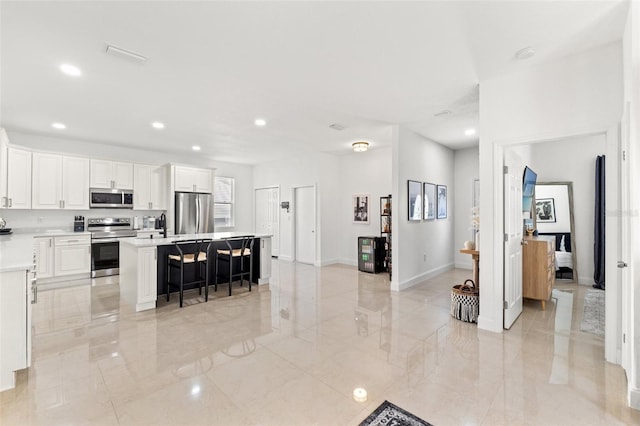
(538, 268)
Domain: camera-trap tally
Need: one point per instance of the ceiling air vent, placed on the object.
(337, 126)
(125, 54)
(442, 113)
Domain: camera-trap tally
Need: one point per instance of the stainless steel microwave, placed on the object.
(110, 198)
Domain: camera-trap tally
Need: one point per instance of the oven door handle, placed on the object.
(104, 240)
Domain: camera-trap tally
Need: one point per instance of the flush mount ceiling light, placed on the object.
(470, 132)
(71, 70)
(525, 53)
(58, 126)
(157, 125)
(360, 146)
(125, 54)
(260, 122)
(195, 148)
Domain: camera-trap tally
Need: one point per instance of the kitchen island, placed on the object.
(143, 264)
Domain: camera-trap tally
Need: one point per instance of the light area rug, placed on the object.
(593, 315)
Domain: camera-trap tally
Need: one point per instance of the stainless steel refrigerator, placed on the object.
(194, 213)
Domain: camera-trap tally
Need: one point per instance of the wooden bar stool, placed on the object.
(189, 252)
(239, 252)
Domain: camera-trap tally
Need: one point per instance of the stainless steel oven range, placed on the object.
(105, 245)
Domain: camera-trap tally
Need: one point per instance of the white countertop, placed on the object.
(16, 249)
(155, 241)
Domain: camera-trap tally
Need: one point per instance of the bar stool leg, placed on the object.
(181, 284)
(230, 272)
(168, 277)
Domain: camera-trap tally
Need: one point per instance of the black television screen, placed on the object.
(528, 182)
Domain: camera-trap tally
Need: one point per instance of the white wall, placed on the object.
(361, 173)
(573, 160)
(243, 175)
(321, 170)
(421, 249)
(580, 94)
(466, 165)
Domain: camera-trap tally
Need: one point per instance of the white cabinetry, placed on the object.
(111, 174)
(4, 147)
(72, 255)
(265, 260)
(43, 256)
(18, 179)
(149, 185)
(190, 179)
(60, 182)
(15, 325)
(139, 276)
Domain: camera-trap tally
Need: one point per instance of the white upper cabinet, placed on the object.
(189, 179)
(4, 146)
(60, 182)
(18, 179)
(149, 187)
(111, 174)
(75, 183)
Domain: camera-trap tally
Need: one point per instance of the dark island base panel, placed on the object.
(190, 270)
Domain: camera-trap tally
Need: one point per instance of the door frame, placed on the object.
(294, 235)
(492, 296)
(278, 210)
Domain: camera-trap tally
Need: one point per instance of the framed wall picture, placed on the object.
(415, 200)
(361, 208)
(441, 191)
(429, 208)
(545, 210)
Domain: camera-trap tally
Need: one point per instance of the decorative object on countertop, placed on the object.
(465, 302)
(469, 245)
(3, 229)
(78, 224)
(390, 414)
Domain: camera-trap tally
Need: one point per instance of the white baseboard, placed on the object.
(350, 262)
(585, 280)
(285, 258)
(634, 398)
(326, 262)
(465, 265)
(421, 277)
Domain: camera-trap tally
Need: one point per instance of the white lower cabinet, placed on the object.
(43, 253)
(15, 325)
(72, 255)
(147, 275)
(265, 260)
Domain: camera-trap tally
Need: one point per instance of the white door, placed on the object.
(304, 210)
(75, 183)
(625, 263)
(184, 179)
(513, 238)
(101, 174)
(267, 202)
(122, 175)
(157, 188)
(202, 180)
(43, 251)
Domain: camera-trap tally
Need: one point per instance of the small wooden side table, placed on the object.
(475, 255)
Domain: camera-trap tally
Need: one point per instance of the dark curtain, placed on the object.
(599, 229)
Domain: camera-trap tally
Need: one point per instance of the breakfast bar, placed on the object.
(143, 264)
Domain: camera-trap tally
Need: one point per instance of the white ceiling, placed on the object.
(214, 67)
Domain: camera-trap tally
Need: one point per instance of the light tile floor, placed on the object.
(292, 352)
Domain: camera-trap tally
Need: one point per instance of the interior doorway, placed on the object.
(304, 212)
(267, 215)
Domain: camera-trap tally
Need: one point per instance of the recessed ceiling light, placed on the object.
(525, 53)
(260, 122)
(470, 132)
(195, 148)
(70, 70)
(58, 126)
(157, 125)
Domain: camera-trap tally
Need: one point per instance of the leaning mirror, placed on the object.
(554, 216)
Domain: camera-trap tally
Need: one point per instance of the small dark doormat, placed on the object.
(389, 414)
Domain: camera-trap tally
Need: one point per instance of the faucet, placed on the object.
(163, 221)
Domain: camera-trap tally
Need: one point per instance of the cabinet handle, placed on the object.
(50, 242)
(4, 201)
(10, 202)
(150, 205)
(34, 290)
(63, 204)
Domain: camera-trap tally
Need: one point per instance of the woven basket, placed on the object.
(465, 302)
